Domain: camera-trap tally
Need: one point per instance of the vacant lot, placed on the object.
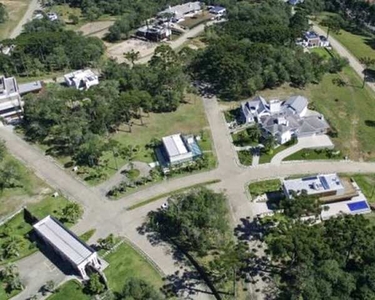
(191, 22)
(16, 9)
(116, 51)
(31, 190)
(358, 44)
(97, 29)
(262, 187)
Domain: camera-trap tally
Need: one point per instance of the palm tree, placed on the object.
(132, 56)
(12, 247)
(367, 62)
(254, 133)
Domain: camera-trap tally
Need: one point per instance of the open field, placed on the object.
(16, 9)
(32, 190)
(358, 44)
(97, 29)
(19, 229)
(367, 183)
(116, 51)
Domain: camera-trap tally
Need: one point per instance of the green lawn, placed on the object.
(189, 118)
(242, 138)
(125, 263)
(245, 157)
(16, 9)
(267, 157)
(367, 184)
(31, 189)
(313, 154)
(70, 290)
(4, 295)
(358, 44)
(262, 187)
(321, 51)
(20, 229)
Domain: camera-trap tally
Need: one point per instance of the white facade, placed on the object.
(68, 245)
(81, 79)
(179, 12)
(10, 99)
(176, 149)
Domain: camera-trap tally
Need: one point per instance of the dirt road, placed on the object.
(34, 5)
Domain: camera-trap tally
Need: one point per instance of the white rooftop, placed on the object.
(63, 240)
(174, 145)
(317, 184)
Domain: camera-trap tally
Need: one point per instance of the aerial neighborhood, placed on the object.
(184, 149)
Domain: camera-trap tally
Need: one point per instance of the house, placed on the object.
(218, 11)
(337, 195)
(178, 149)
(283, 119)
(67, 246)
(52, 17)
(155, 33)
(312, 40)
(10, 99)
(179, 12)
(81, 79)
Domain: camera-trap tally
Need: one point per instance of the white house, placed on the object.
(218, 11)
(81, 79)
(10, 98)
(312, 40)
(283, 119)
(179, 12)
(67, 245)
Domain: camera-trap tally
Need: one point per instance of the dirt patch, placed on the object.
(117, 51)
(98, 29)
(16, 9)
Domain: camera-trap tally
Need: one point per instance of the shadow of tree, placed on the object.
(370, 123)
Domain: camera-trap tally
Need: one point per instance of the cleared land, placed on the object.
(191, 22)
(16, 9)
(31, 190)
(359, 45)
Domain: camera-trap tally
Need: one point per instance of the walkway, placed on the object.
(33, 6)
(316, 142)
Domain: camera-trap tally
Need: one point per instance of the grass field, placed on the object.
(312, 154)
(4, 295)
(126, 262)
(267, 157)
(20, 229)
(32, 190)
(70, 290)
(367, 183)
(16, 9)
(262, 187)
(358, 44)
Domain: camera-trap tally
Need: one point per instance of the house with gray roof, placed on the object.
(283, 119)
(179, 12)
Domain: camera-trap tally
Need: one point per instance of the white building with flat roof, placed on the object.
(67, 245)
(81, 79)
(319, 185)
(10, 99)
(179, 12)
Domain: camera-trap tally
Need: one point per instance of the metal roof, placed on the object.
(174, 145)
(63, 240)
(30, 87)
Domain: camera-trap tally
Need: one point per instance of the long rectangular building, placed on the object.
(67, 244)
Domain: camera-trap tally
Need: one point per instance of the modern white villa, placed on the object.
(339, 196)
(312, 40)
(284, 119)
(180, 12)
(81, 79)
(177, 149)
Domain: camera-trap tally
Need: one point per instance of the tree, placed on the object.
(2, 150)
(71, 212)
(301, 206)
(11, 247)
(95, 286)
(49, 286)
(132, 56)
(254, 133)
(367, 62)
(333, 23)
(107, 243)
(3, 13)
(10, 276)
(138, 289)
(194, 221)
(74, 19)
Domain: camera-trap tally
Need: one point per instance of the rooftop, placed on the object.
(182, 9)
(63, 240)
(311, 35)
(314, 184)
(174, 145)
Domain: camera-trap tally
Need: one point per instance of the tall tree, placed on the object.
(367, 62)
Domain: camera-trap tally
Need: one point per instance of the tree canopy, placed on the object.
(3, 13)
(138, 289)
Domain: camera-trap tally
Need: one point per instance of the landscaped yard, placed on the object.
(70, 290)
(242, 138)
(16, 9)
(189, 118)
(126, 262)
(245, 157)
(359, 45)
(267, 157)
(19, 229)
(4, 295)
(262, 187)
(314, 154)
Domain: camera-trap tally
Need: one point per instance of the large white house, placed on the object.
(67, 245)
(179, 12)
(10, 98)
(283, 119)
(81, 79)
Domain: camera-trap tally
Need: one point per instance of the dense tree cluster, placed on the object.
(3, 13)
(332, 260)
(138, 289)
(46, 46)
(72, 122)
(10, 173)
(195, 221)
(256, 49)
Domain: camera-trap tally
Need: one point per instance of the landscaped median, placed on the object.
(315, 154)
(153, 199)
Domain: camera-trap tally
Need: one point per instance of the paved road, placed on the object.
(34, 5)
(344, 52)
